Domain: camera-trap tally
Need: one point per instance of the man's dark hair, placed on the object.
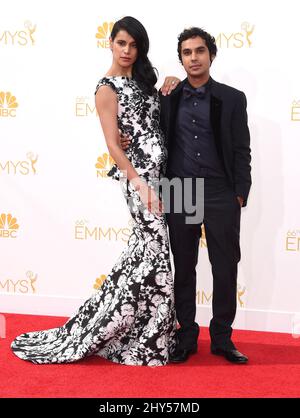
(192, 33)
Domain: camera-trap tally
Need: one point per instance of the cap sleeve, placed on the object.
(106, 82)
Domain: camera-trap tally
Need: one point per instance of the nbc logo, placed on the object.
(8, 226)
(99, 282)
(104, 164)
(8, 104)
(295, 113)
(103, 34)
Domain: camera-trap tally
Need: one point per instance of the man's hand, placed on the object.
(241, 200)
(124, 141)
(169, 85)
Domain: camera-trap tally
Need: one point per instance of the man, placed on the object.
(205, 124)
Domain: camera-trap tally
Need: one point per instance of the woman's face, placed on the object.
(124, 49)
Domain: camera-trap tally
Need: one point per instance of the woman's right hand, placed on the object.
(150, 199)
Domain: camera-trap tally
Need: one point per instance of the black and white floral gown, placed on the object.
(131, 318)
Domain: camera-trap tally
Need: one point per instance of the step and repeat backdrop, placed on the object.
(63, 223)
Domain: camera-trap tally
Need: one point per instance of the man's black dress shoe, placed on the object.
(232, 355)
(181, 355)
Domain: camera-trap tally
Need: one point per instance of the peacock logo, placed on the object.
(8, 104)
(103, 34)
(99, 281)
(8, 226)
(104, 164)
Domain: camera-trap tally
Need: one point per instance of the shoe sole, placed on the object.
(193, 351)
(218, 353)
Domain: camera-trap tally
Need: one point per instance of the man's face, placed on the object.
(195, 57)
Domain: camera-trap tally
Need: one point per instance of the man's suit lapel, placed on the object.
(174, 102)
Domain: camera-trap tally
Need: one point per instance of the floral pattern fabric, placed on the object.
(139, 118)
(131, 318)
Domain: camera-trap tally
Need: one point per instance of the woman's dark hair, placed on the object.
(192, 33)
(142, 71)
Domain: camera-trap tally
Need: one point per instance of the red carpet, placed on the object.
(273, 370)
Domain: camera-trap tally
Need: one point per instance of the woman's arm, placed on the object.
(107, 108)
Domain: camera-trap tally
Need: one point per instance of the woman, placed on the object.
(131, 319)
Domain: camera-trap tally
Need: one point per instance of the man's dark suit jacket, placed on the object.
(229, 123)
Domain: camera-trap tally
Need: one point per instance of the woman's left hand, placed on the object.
(169, 85)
